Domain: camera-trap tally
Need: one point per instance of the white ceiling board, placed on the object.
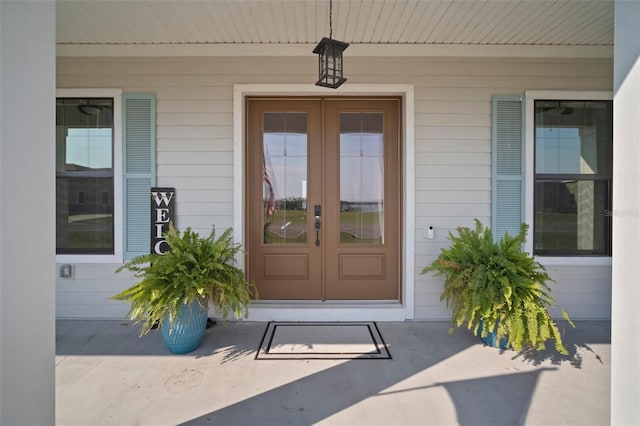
(387, 22)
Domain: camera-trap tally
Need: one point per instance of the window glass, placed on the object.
(573, 137)
(284, 178)
(570, 217)
(573, 169)
(84, 176)
(361, 178)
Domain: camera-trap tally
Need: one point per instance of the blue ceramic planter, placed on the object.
(491, 339)
(187, 331)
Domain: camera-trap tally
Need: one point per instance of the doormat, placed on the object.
(322, 340)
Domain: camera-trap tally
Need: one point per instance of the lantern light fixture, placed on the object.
(330, 65)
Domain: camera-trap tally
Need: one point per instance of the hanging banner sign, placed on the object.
(163, 201)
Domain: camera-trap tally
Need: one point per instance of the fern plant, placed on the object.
(496, 284)
(195, 268)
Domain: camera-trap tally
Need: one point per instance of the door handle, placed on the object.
(317, 224)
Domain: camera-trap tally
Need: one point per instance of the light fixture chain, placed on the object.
(330, 19)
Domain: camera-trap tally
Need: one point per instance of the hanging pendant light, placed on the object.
(330, 65)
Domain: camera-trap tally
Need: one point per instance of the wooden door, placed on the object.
(323, 198)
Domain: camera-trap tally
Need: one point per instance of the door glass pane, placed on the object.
(361, 178)
(284, 183)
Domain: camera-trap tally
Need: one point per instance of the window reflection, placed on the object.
(573, 171)
(285, 178)
(361, 178)
(569, 216)
(84, 176)
(88, 149)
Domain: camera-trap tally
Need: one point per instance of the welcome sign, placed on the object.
(163, 202)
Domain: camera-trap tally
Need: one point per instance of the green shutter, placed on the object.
(507, 207)
(139, 147)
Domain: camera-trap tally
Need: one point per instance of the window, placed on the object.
(84, 170)
(88, 175)
(573, 141)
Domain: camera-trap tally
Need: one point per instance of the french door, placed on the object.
(323, 198)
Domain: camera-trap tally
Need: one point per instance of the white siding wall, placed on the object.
(452, 150)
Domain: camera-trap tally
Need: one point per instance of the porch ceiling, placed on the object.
(386, 22)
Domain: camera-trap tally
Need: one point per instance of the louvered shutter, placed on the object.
(507, 165)
(139, 136)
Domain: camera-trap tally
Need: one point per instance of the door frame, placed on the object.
(334, 311)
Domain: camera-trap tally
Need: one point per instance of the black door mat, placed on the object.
(322, 340)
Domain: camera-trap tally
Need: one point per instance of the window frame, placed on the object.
(117, 256)
(530, 98)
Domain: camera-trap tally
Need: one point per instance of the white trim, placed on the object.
(409, 207)
(326, 312)
(574, 261)
(116, 257)
(238, 169)
(363, 49)
(336, 311)
(530, 97)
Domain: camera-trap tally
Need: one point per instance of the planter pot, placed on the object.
(491, 339)
(187, 331)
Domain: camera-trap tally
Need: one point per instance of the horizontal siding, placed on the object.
(454, 118)
(583, 291)
(449, 171)
(455, 209)
(453, 107)
(88, 293)
(424, 131)
(217, 183)
(195, 157)
(199, 196)
(447, 159)
(195, 170)
(454, 197)
(457, 146)
(452, 148)
(198, 106)
(166, 146)
(194, 118)
(89, 309)
(196, 132)
(452, 183)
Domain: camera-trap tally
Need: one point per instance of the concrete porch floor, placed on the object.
(106, 375)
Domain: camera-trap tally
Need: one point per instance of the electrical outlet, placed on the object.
(66, 271)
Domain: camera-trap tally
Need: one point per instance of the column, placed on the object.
(625, 345)
(27, 212)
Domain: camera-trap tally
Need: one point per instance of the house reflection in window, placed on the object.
(84, 176)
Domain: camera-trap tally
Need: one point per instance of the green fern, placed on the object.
(499, 284)
(194, 269)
